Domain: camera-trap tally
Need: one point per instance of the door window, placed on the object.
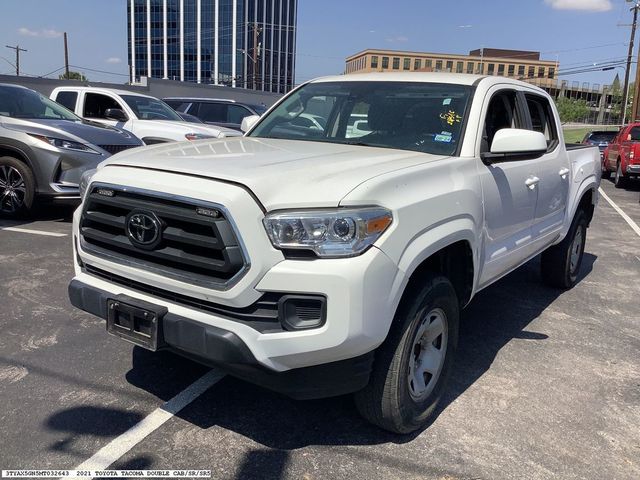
(67, 99)
(213, 112)
(95, 104)
(542, 119)
(502, 113)
(235, 114)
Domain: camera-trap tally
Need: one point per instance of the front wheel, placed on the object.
(412, 366)
(619, 180)
(606, 174)
(17, 188)
(560, 264)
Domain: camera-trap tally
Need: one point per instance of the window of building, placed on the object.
(396, 63)
(501, 69)
(459, 67)
(551, 72)
(542, 119)
(449, 65)
(470, 66)
(438, 65)
(541, 72)
(385, 62)
(532, 72)
(480, 68)
(406, 63)
(374, 61)
(417, 64)
(428, 63)
(521, 70)
(512, 70)
(491, 68)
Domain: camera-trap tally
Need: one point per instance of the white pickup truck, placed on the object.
(320, 262)
(148, 118)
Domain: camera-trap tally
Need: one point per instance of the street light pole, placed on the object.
(625, 93)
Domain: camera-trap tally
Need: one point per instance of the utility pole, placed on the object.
(66, 57)
(18, 50)
(625, 93)
(255, 54)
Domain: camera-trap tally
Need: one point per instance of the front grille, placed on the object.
(193, 247)
(113, 149)
(262, 315)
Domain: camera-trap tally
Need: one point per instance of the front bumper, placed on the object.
(223, 349)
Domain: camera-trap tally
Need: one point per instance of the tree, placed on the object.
(571, 110)
(73, 76)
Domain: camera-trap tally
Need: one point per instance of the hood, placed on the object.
(205, 129)
(281, 173)
(81, 131)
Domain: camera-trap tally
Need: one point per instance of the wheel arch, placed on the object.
(19, 154)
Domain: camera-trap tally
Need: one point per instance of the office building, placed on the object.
(239, 43)
(520, 64)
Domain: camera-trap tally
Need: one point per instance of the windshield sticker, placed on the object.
(443, 138)
(446, 101)
(451, 117)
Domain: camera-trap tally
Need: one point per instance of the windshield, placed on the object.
(259, 109)
(147, 108)
(24, 103)
(602, 136)
(417, 116)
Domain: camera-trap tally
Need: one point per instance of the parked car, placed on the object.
(217, 111)
(150, 119)
(45, 148)
(622, 156)
(600, 139)
(318, 265)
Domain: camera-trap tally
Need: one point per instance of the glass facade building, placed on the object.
(239, 43)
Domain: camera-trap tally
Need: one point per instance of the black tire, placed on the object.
(559, 267)
(391, 399)
(606, 174)
(17, 188)
(619, 181)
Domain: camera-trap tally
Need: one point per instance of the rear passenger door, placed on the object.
(553, 170)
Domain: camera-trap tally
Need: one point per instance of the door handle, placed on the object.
(564, 172)
(531, 182)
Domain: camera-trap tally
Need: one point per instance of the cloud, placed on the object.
(398, 39)
(44, 33)
(587, 5)
(113, 60)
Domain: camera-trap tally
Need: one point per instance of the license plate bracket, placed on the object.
(136, 321)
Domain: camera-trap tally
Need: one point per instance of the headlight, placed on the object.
(197, 136)
(65, 144)
(340, 232)
(85, 180)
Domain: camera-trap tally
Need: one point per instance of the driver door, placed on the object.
(95, 106)
(509, 189)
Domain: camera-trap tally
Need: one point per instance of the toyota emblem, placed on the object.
(143, 229)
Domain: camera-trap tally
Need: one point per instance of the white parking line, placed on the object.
(119, 446)
(33, 232)
(627, 218)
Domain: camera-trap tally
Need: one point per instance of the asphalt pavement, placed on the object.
(546, 384)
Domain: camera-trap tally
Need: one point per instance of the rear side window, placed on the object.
(67, 99)
(542, 119)
(212, 112)
(96, 104)
(178, 105)
(635, 134)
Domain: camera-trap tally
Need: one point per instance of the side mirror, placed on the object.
(249, 122)
(629, 138)
(515, 142)
(116, 114)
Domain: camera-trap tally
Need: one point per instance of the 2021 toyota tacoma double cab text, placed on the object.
(324, 261)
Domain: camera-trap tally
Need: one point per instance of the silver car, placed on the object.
(45, 149)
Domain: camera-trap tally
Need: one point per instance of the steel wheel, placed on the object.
(428, 354)
(576, 249)
(13, 190)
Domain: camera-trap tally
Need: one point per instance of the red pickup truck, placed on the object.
(622, 156)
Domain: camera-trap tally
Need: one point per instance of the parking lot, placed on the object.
(546, 384)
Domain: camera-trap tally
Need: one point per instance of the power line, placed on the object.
(18, 50)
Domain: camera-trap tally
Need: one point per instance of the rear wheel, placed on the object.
(560, 264)
(606, 174)
(619, 180)
(17, 187)
(412, 366)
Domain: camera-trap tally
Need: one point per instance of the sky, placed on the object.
(574, 32)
